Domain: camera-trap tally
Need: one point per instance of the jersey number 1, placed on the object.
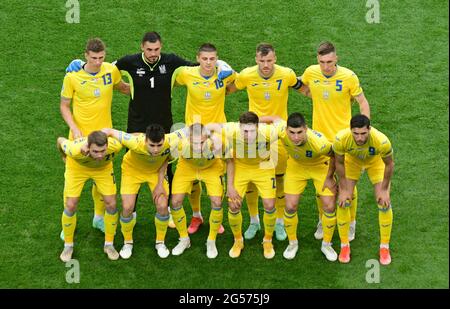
(152, 82)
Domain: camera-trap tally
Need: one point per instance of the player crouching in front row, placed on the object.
(359, 148)
(145, 162)
(89, 158)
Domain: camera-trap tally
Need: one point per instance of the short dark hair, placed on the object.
(154, 133)
(151, 37)
(248, 117)
(359, 121)
(264, 49)
(296, 120)
(98, 138)
(325, 48)
(206, 47)
(95, 45)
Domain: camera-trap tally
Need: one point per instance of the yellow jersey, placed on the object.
(76, 159)
(267, 96)
(316, 150)
(205, 102)
(251, 155)
(377, 145)
(91, 96)
(331, 97)
(198, 160)
(139, 159)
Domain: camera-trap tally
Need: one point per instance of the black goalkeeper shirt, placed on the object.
(150, 100)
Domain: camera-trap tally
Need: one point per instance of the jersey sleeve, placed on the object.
(354, 86)
(280, 127)
(114, 146)
(73, 148)
(116, 76)
(230, 78)
(122, 63)
(338, 146)
(292, 78)
(175, 137)
(179, 75)
(326, 147)
(306, 77)
(131, 141)
(67, 88)
(386, 148)
(240, 81)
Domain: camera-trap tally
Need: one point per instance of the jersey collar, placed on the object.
(148, 64)
(329, 76)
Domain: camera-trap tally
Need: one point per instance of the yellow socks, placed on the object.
(161, 224)
(179, 218)
(251, 196)
(328, 225)
(127, 226)
(235, 221)
(195, 196)
(290, 225)
(385, 219)
(280, 201)
(269, 219)
(354, 205)
(69, 223)
(215, 219)
(343, 221)
(319, 207)
(110, 225)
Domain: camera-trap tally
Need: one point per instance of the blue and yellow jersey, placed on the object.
(76, 159)
(205, 96)
(267, 96)
(138, 157)
(91, 96)
(316, 150)
(199, 160)
(332, 97)
(251, 155)
(377, 145)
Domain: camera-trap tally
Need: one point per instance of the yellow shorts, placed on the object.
(131, 181)
(186, 174)
(263, 179)
(74, 180)
(297, 176)
(355, 167)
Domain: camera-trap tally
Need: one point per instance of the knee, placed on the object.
(162, 210)
(127, 210)
(177, 202)
(71, 205)
(216, 203)
(110, 204)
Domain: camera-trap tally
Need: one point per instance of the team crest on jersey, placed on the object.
(162, 69)
(267, 95)
(326, 95)
(140, 72)
(97, 92)
(207, 95)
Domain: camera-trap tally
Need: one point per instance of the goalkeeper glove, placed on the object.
(223, 69)
(75, 66)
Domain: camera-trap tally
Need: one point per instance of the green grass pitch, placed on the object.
(402, 63)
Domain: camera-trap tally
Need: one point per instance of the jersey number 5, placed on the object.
(338, 85)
